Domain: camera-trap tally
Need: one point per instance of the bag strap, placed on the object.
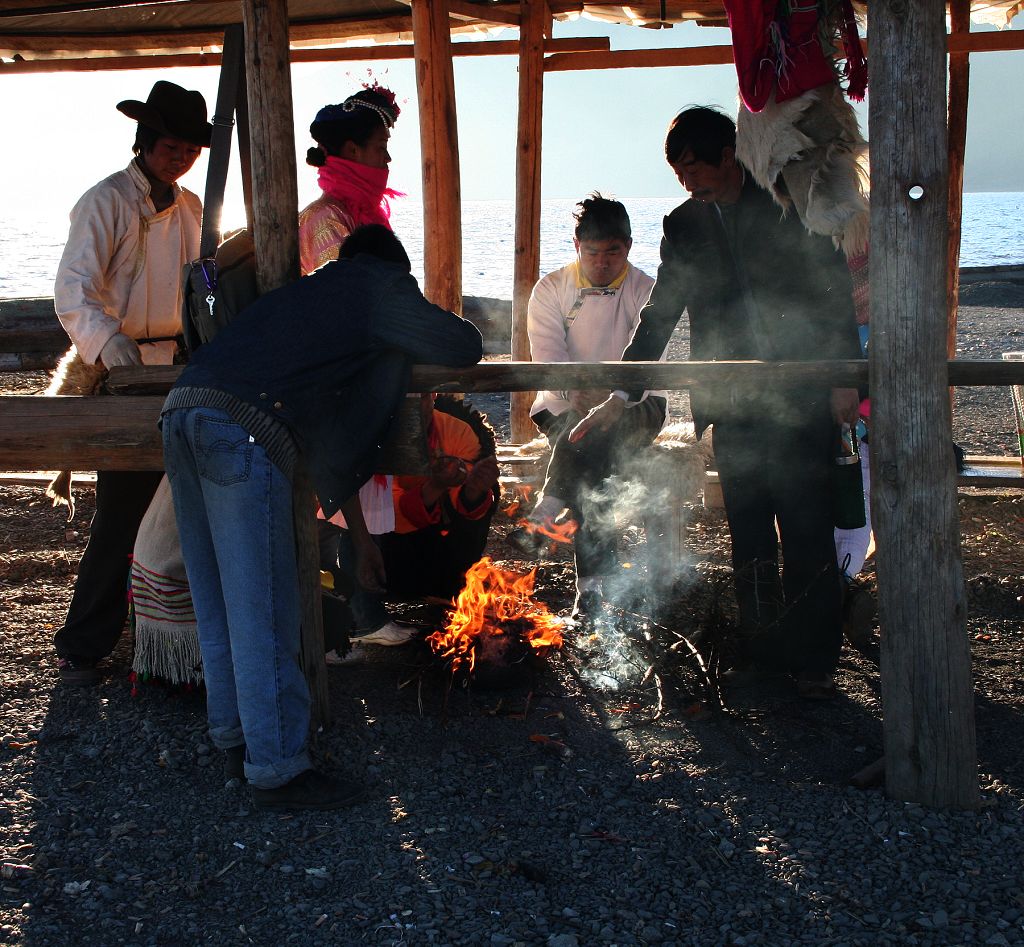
(220, 141)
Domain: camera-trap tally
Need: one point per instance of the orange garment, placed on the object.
(454, 438)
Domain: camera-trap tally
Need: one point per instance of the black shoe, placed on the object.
(234, 762)
(532, 544)
(309, 790)
(78, 672)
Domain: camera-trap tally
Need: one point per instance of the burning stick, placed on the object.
(495, 609)
(556, 532)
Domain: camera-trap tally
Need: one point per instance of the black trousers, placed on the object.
(99, 605)
(777, 472)
(577, 472)
(434, 560)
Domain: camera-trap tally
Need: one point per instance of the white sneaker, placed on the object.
(388, 636)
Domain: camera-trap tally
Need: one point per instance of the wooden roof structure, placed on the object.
(916, 160)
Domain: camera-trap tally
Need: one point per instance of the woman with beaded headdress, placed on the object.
(352, 159)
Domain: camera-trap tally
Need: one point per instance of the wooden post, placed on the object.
(275, 223)
(928, 724)
(526, 271)
(439, 146)
(959, 85)
(275, 188)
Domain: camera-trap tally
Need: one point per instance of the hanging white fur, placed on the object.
(810, 154)
(72, 376)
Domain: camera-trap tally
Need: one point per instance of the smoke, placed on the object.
(654, 490)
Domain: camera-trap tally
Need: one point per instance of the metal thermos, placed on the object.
(847, 485)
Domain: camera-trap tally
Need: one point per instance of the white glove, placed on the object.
(120, 350)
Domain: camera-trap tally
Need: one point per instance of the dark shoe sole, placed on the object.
(79, 676)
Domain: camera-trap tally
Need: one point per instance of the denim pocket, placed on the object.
(223, 451)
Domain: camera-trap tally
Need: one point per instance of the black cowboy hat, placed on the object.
(172, 111)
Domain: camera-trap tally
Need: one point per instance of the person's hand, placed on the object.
(447, 472)
(120, 350)
(480, 480)
(582, 401)
(845, 403)
(601, 418)
(370, 572)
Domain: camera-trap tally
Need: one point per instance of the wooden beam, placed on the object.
(641, 58)
(959, 85)
(996, 42)
(483, 13)
(927, 698)
(439, 155)
(298, 54)
(526, 265)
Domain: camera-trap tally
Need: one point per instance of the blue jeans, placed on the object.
(234, 514)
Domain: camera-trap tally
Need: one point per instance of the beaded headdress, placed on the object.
(383, 103)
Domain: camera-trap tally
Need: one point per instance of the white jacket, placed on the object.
(121, 270)
(601, 325)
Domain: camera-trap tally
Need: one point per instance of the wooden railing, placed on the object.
(120, 433)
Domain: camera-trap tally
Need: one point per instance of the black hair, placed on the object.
(145, 139)
(376, 240)
(707, 132)
(599, 218)
(355, 125)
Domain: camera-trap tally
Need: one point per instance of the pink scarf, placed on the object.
(361, 189)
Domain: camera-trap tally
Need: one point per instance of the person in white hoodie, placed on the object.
(118, 295)
(586, 312)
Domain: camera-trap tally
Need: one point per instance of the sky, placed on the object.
(603, 129)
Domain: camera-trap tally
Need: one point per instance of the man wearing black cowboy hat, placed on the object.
(118, 296)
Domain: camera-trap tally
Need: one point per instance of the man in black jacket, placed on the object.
(311, 373)
(757, 285)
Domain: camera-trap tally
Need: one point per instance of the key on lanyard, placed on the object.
(210, 300)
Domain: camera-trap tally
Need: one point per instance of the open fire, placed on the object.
(496, 619)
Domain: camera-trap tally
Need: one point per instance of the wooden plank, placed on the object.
(31, 325)
(439, 154)
(528, 376)
(928, 722)
(526, 265)
(76, 433)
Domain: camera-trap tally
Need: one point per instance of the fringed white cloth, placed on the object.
(166, 636)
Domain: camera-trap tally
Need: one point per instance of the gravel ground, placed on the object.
(602, 797)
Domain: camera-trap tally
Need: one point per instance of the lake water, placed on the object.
(993, 233)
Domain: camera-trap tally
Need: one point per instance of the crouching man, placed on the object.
(586, 312)
(311, 373)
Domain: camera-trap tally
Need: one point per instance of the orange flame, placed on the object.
(491, 597)
(520, 494)
(556, 532)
